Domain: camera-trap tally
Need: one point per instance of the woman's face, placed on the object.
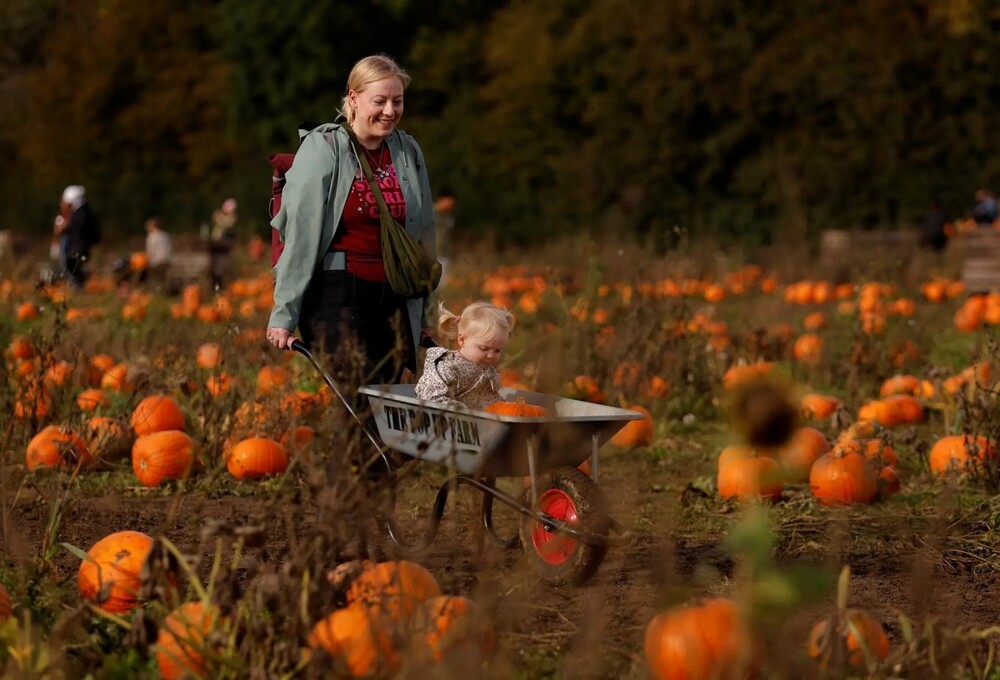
(379, 108)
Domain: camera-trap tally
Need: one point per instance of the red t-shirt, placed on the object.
(359, 234)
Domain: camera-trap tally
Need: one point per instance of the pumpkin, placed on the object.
(219, 384)
(299, 437)
(900, 384)
(888, 481)
(585, 388)
(98, 365)
(270, 378)
(157, 413)
(453, 626)
(519, 409)
(91, 398)
(107, 436)
(636, 432)
(58, 374)
(209, 355)
(750, 477)
(808, 348)
(737, 374)
(857, 625)
(819, 406)
(841, 477)
(356, 638)
(799, 454)
(33, 401)
(257, 457)
(959, 453)
(26, 310)
(707, 640)
(21, 347)
(181, 639)
(117, 378)
(6, 606)
(111, 576)
(53, 446)
(162, 455)
(395, 589)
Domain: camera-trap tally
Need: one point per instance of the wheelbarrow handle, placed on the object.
(300, 347)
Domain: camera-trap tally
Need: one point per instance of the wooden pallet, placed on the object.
(981, 260)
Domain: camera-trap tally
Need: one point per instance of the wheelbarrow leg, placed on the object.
(487, 517)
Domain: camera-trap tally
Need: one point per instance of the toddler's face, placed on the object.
(482, 351)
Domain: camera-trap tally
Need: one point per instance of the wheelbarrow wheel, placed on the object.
(566, 494)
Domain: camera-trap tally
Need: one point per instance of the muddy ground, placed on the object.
(590, 631)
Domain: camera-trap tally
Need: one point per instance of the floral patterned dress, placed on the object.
(449, 378)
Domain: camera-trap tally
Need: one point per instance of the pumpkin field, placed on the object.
(811, 490)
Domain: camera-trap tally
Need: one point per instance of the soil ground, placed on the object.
(595, 630)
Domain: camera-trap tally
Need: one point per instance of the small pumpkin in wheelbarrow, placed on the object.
(520, 409)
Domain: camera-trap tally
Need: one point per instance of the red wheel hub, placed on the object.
(554, 548)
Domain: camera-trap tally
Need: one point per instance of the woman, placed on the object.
(330, 281)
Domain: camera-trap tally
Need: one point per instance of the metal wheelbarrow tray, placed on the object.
(564, 523)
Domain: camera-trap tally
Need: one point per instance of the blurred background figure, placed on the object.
(221, 239)
(444, 220)
(934, 228)
(159, 248)
(80, 231)
(985, 212)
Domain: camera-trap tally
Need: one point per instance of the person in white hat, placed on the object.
(80, 231)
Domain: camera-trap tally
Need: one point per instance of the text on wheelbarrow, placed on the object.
(458, 430)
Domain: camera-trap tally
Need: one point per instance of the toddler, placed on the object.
(467, 376)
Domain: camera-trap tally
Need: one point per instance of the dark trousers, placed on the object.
(363, 325)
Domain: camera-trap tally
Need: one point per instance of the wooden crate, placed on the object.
(981, 260)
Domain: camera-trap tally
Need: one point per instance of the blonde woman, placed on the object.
(329, 281)
(467, 375)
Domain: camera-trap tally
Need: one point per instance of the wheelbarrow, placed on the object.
(565, 529)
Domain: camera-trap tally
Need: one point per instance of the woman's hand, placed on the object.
(282, 338)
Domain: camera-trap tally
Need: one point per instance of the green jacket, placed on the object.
(312, 204)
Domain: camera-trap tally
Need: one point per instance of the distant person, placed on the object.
(934, 228)
(985, 212)
(221, 240)
(81, 231)
(159, 248)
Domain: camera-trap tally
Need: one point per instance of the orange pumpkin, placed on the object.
(519, 409)
(453, 626)
(808, 348)
(58, 374)
(888, 481)
(857, 625)
(117, 379)
(708, 640)
(959, 453)
(585, 388)
(26, 310)
(356, 638)
(111, 576)
(257, 457)
(737, 374)
(162, 455)
(91, 398)
(106, 436)
(209, 355)
(900, 384)
(819, 406)
(842, 477)
(750, 477)
(636, 433)
(52, 447)
(98, 365)
(395, 589)
(21, 347)
(181, 640)
(271, 378)
(157, 413)
(806, 446)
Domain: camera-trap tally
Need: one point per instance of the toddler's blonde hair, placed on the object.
(478, 320)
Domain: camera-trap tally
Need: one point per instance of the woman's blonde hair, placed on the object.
(369, 70)
(478, 320)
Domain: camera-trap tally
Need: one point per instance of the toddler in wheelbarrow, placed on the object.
(458, 416)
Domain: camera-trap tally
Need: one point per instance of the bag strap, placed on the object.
(384, 217)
